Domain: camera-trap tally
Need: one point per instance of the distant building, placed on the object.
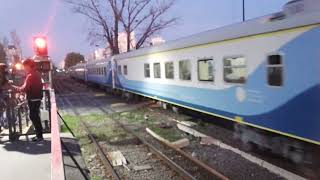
(102, 53)
(13, 54)
(157, 41)
(123, 42)
(61, 65)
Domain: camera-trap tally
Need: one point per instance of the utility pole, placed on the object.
(243, 11)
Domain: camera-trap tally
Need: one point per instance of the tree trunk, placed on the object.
(128, 41)
(116, 36)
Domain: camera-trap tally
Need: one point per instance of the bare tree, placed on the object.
(105, 18)
(109, 17)
(5, 42)
(147, 18)
(15, 40)
(3, 56)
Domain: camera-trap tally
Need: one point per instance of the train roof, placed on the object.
(98, 62)
(78, 65)
(296, 13)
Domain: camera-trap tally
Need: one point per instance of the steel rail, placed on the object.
(160, 155)
(171, 163)
(177, 167)
(101, 154)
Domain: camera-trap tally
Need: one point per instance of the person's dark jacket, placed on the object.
(32, 86)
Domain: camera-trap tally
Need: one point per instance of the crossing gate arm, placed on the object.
(57, 167)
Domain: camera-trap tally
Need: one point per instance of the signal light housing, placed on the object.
(40, 46)
(43, 66)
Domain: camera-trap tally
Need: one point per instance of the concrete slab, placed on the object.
(117, 158)
(24, 159)
(142, 168)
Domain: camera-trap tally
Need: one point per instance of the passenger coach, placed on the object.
(262, 73)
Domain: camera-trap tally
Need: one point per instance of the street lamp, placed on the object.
(243, 11)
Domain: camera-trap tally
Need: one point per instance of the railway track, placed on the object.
(180, 162)
(207, 172)
(77, 98)
(198, 169)
(107, 164)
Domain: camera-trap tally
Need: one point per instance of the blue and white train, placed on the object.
(262, 73)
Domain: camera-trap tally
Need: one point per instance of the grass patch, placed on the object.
(108, 132)
(170, 134)
(100, 125)
(72, 122)
(94, 118)
(94, 177)
(132, 116)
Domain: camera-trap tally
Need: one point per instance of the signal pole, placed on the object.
(43, 61)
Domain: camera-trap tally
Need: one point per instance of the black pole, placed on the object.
(243, 11)
(65, 123)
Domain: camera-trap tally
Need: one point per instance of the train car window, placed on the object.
(235, 70)
(125, 70)
(206, 70)
(185, 70)
(119, 69)
(156, 70)
(169, 68)
(147, 70)
(105, 70)
(275, 70)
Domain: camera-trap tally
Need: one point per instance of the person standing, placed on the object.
(3, 86)
(32, 86)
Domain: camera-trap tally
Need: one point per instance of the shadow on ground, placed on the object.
(28, 147)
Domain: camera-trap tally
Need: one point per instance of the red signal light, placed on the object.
(40, 46)
(40, 42)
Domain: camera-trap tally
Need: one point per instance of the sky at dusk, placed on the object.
(67, 31)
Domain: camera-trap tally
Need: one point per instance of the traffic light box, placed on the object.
(40, 46)
(43, 66)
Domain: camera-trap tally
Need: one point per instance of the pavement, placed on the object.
(24, 159)
(28, 160)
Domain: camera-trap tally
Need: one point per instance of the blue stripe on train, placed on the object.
(288, 118)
